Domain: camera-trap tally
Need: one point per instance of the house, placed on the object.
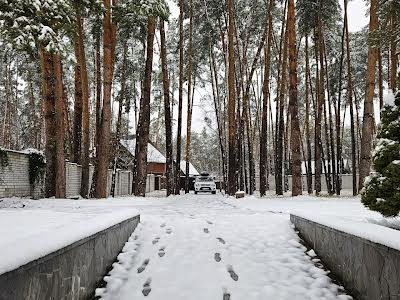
(156, 161)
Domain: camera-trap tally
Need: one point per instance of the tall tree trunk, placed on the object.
(67, 127)
(338, 125)
(293, 103)
(98, 88)
(281, 119)
(99, 108)
(121, 99)
(380, 78)
(103, 151)
(331, 150)
(180, 100)
(266, 96)
(217, 107)
(47, 62)
(327, 162)
(368, 122)
(167, 112)
(231, 103)
(393, 46)
(77, 133)
(84, 158)
(307, 121)
(277, 143)
(320, 95)
(350, 102)
(189, 99)
(6, 125)
(60, 127)
(32, 117)
(142, 136)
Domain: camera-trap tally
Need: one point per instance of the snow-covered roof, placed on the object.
(192, 169)
(153, 155)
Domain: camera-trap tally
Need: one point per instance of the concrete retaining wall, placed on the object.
(14, 179)
(73, 272)
(368, 270)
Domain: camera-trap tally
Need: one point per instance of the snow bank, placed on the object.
(32, 229)
(371, 232)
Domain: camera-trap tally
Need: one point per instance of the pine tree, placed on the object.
(368, 121)
(381, 189)
(293, 103)
(103, 152)
(180, 104)
(167, 112)
(231, 103)
(142, 133)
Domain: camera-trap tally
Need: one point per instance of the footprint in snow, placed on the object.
(233, 274)
(227, 296)
(209, 222)
(217, 257)
(161, 252)
(168, 231)
(221, 240)
(163, 225)
(156, 240)
(206, 230)
(143, 266)
(146, 287)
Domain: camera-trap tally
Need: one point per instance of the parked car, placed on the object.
(205, 183)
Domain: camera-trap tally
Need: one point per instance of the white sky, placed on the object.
(357, 10)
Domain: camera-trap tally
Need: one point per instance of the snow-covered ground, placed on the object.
(31, 229)
(213, 247)
(190, 246)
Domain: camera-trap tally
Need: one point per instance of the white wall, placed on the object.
(14, 179)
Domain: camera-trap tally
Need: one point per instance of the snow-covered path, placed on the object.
(206, 247)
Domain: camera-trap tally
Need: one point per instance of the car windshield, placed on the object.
(205, 179)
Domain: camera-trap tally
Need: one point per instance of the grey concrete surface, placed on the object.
(72, 272)
(368, 270)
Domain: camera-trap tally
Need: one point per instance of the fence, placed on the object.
(14, 178)
(347, 182)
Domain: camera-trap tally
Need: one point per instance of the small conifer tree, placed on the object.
(382, 188)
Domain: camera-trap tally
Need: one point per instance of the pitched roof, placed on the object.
(192, 169)
(153, 155)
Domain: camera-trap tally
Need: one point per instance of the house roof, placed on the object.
(153, 155)
(192, 169)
